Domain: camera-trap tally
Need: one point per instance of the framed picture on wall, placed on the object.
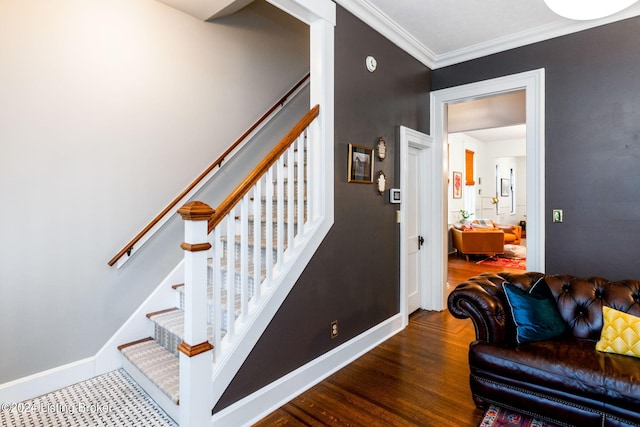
(457, 185)
(504, 187)
(360, 164)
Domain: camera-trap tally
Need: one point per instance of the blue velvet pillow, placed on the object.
(534, 313)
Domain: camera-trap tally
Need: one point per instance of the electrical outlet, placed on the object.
(334, 329)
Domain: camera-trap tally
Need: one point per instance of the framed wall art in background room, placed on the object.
(457, 185)
(504, 187)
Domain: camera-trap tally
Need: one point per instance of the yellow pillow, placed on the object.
(620, 333)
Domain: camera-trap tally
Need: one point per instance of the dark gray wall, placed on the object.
(354, 276)
(592, 147)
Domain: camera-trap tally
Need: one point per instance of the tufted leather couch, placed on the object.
(564, 380)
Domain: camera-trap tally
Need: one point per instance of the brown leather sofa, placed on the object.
(478, 241)
(564, 380)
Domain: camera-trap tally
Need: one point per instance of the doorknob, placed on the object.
(420, 241)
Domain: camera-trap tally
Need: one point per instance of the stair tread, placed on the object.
(157, 364)
(172, 321)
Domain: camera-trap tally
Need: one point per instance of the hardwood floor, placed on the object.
(418, 377)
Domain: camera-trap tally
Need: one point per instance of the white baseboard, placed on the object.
(47, 381)
(108, 357)
(264, 401)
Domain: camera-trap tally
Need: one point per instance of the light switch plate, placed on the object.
(558, 215)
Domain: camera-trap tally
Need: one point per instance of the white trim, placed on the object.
(534, 84)
(428, 211)
(308, 11)
(386, 26)
(47, 381)
(523, 38)
(374, 17)
(264, 401)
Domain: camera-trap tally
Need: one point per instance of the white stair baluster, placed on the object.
(257, 239)
(244, 256)
(312, 187)
(302, 185)
(290, 196)
(280, 210)
(217, 291)
(231, 273)
(269, 226)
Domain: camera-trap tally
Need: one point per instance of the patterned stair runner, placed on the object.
(157, 364)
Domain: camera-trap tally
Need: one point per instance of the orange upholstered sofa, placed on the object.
(472, 241)
(512, 233)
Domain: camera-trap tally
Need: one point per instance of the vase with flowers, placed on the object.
(465, 216)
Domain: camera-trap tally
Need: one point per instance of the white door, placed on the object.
(417, 246)
(415, 239)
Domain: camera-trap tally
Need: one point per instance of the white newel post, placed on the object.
(196, 363)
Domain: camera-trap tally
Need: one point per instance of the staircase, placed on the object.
(255, 238)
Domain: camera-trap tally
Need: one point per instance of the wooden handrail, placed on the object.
(254, 176)
(218, 162)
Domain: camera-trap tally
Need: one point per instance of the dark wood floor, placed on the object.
(418, 377)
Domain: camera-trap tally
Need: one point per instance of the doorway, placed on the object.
(419, 241)
(533, 84)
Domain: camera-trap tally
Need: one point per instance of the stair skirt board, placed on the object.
(266, 400)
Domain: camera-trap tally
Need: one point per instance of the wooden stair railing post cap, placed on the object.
(196, 211)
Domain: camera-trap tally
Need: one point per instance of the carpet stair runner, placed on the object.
(154, 361)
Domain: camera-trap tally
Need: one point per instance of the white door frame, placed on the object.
(534, 85)
(429, 215)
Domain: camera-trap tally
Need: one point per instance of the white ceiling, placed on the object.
(507, 133)
(445, 32)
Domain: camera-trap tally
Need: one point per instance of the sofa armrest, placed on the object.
(516, 230)
(479, 299)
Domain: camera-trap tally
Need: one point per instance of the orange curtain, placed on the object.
(469, 168)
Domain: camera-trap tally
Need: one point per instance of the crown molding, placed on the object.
(534, 35)
(380, 22)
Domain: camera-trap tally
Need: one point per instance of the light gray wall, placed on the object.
(108, 109)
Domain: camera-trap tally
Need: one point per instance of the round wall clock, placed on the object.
(381, 182)
(371, 63)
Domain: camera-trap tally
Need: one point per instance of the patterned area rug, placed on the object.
(520, 264)
(112, 400)
(499, 417)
